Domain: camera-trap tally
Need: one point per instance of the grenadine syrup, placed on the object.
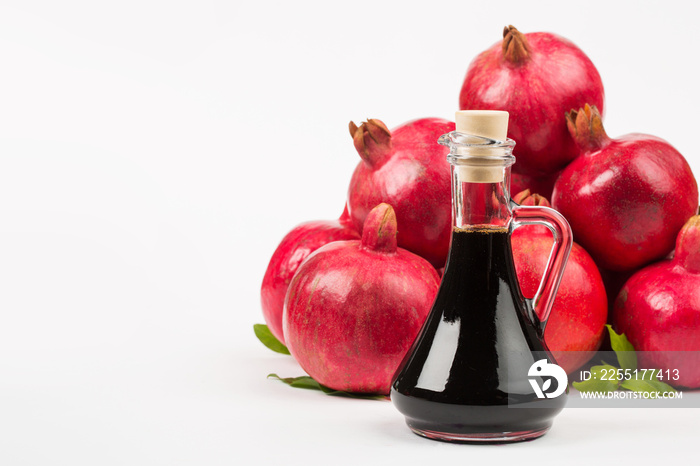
(479, 370)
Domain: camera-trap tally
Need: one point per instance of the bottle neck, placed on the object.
(480, 204)
(480, 169)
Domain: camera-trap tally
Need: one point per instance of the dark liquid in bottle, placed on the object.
(466, 377)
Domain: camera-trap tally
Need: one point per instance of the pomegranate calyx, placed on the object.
(379, 231)
(516, 49)
(586, 127)
(372, 140)
(688, 245)
(527, 198)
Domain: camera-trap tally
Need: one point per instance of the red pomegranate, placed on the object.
(537, 78)
(291, 252)
(354, 307)
(658, 310)
(625, 198)
(408, 169)
(577, 322)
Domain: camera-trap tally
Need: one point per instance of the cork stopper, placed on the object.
(491, 124)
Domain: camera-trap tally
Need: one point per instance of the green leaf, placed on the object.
(268, 339)
(623, 349)
(602, 380)
(647, 386)
(309, 383)
(303, 381)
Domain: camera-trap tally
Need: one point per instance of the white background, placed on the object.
(154, 153)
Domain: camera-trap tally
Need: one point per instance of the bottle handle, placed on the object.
(541, 304)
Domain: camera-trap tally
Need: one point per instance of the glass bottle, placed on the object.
(479, 370)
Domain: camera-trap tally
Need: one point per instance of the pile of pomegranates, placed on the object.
(349, 296)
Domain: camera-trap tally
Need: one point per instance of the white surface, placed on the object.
(154, 153)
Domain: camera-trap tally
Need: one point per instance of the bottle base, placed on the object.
(483, 438)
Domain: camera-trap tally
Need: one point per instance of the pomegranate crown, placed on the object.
(586, 127)
(515, 47)
(372, 140)
(533, 199)
(379, 231)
